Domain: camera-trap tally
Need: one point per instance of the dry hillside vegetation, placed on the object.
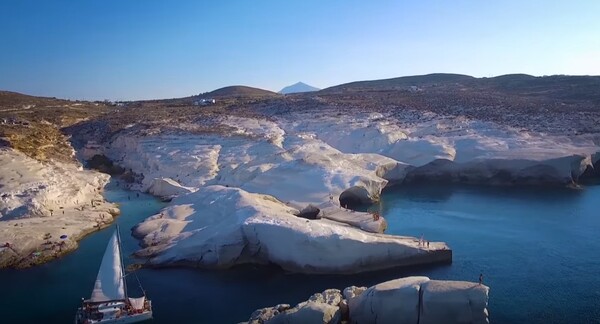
(33, 125)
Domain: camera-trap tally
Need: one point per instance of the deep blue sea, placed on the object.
(539, 251)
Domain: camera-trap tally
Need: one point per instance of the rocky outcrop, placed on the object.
(558, 171)
(46, 207)
(309, 212)
(410, 300)
(453, 302)
(592, 170)
(459, 150)
(105, 165)
(395, 301)
(319, 308)
(300, 170)
(219, 227)
(167, 188)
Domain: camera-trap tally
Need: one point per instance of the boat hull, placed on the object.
(133, 318)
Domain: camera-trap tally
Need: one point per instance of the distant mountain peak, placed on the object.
(298, 87)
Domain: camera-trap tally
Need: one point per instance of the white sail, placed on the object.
(109, 283)
(137, 303)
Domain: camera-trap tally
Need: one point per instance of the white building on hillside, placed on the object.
(204, 102)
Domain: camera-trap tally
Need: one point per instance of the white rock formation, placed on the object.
(167, 188)
(301, 171)
(40, 202)
(395, 301)
(409, 300)
(479, 151)
(326, 161)
(218, 227)
(562, 171)
(453, 302)
(304, 159)
(188, 160)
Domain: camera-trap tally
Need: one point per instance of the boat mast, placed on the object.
(121, 257)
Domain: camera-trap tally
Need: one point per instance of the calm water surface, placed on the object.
(539, 251)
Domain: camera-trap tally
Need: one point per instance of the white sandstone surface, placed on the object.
(325, 161)
(40, 201)
(395, 301)
(218, 227)
(461, 301)
(275, 166)
(305, 170)
(474, 147)
(167, 188)
(303, 158)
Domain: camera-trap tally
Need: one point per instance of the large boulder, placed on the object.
(167, 188)
(453, 302)
(309, 212)
(395, 301)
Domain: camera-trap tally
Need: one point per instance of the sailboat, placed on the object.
(109, 302)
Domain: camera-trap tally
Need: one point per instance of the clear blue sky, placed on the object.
(120, 49)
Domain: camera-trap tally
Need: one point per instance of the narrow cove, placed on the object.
(521, 239)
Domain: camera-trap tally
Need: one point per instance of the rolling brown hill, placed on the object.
(9, 99)
(240, 92)
(400, 82)
(33, 125)
(556, 87)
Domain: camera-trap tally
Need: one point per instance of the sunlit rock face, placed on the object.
(301, 171)
(219, 227)
(304, 159)
(42, 201)
(329, 163)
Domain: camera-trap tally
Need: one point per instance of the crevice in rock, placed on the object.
(355, 197)
(103, 164)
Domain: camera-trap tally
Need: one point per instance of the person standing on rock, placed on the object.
(481, 278)
(375, 216)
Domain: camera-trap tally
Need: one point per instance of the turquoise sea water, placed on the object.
(539, 251)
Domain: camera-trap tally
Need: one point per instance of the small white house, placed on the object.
(204, 102)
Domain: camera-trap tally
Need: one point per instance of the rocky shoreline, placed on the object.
(47, 207)
(405, 300)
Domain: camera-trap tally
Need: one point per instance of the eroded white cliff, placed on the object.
(42, 201)
(218, 227)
